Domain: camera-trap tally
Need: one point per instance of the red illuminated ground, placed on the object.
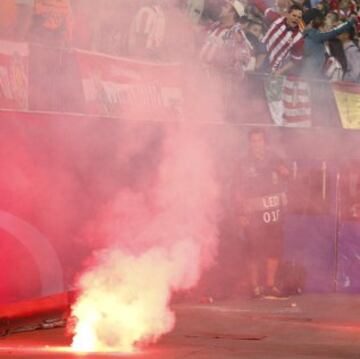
(311, 326)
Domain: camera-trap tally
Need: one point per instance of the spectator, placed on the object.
(281, 6)
(335, 50)
(323, 6)
(254, 14)
(304, 4)
(335, 62)
(254, 34)
(52, 23)
(255, 29)
(226, 45)
(352, 55)
(161, 30)
(229, 53)
(346, 9)
(284, 41)
(315, 38)
(332, 20)
(333, 5)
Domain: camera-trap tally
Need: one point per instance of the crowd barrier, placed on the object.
(39, 78)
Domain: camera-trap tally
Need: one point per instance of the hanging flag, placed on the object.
(288, 99)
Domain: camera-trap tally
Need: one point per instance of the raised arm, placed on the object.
(326, 36)
(270, 15)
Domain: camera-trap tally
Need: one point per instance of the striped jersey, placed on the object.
(282, 43)
(214, 42)
(226, 46)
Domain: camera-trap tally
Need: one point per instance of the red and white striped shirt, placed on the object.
(282, 42)
(227, 47)
(214, 43)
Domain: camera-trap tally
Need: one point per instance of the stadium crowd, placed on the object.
(315, 39)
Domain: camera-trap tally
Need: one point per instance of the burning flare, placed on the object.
(125, 301)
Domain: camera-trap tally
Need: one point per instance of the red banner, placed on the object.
(128, 88)
(14, 58)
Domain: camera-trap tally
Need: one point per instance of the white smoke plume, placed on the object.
(158, 243)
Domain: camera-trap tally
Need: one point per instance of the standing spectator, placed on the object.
(352, 55)
(161, 30)
(226, 45)
(228, 52)
(333, 5)
(335, 62)
(346, 8)
(323, 6)
(254, 35)
(255, 29)
(335, 54)
(52, 23)
(281, 6)
(318, 64)
(285, 49)
(284, 41)
(315, 39)
(332, 20)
